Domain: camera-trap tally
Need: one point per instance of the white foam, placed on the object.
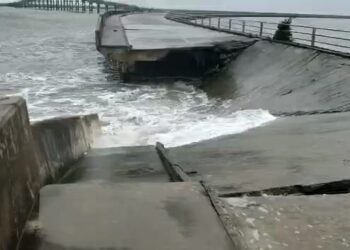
(175, 117)
(212, 126)
(175, 114)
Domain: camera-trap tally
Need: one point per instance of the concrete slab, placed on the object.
(292, 222)
(129, 216)
(289, 151)
(113, 34)
(152, 31)
(124, 164)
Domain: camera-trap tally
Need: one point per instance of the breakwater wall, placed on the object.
(19, 170)
(285, 80)
(31, 155)
(61, 142)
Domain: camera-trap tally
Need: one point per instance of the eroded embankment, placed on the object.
(285, 80)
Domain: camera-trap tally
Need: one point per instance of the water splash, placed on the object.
(60, 73)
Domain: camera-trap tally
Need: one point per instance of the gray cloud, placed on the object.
(300, 6)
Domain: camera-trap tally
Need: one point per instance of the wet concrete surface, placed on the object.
(153, 31)
(123, 164)
(133, 216)
(19, 170)
(113, 34)
(291, 222)
(285, 79)
(290, 151)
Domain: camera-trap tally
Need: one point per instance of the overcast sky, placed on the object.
(299, 6)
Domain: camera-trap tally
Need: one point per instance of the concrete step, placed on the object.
(138, 216)
(122, 164)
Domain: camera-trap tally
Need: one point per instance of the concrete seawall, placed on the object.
(60, 142)
(285, 80)
(19, 179)
(31, 156)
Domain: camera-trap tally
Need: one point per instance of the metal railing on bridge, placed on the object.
(326, 38)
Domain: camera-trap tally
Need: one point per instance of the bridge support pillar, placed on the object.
(90, 7)
(77, 7)
(83, 6)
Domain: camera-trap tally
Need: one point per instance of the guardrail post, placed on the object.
(243, 26)
(219, 23)
(261, 29)
(313, 37)
(202, 21)
(230, 24)
(209, 21)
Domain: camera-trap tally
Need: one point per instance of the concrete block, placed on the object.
(143, 216)
(19, 176)
(60, 142)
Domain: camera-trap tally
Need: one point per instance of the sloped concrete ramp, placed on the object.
(123, 164)
(285, 80)
(134, 216)
(301, 150)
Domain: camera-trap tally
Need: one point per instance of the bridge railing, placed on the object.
(333, 39)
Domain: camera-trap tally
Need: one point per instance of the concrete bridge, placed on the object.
(148, 45)
(75, 5)
(194, 44)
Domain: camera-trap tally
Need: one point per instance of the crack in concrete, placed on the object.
(329, 188)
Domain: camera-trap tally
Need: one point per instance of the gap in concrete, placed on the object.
(329, 188)
(189, 64)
